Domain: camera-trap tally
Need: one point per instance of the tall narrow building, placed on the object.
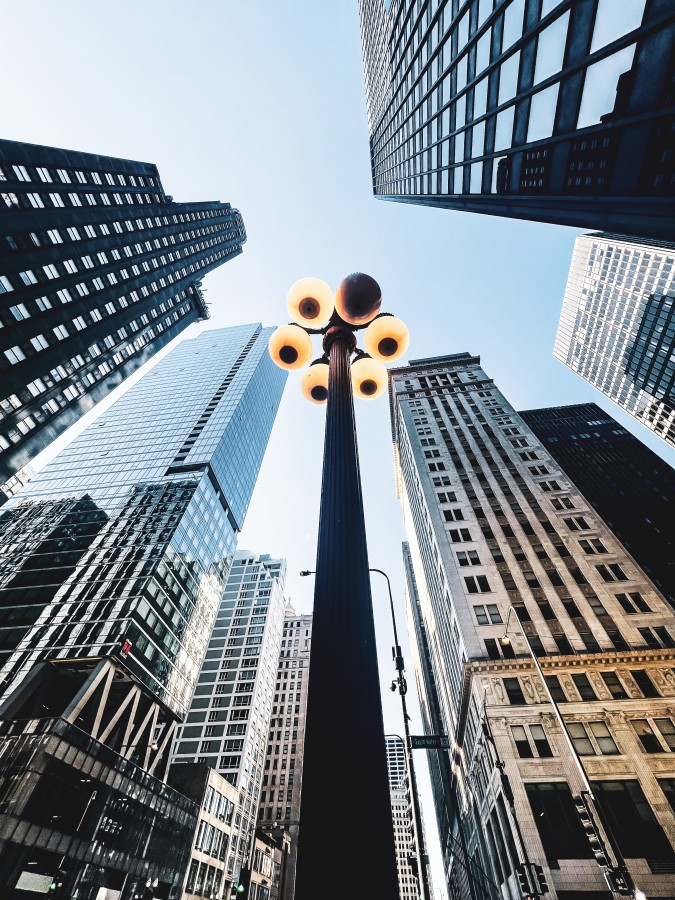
(550, 110)
(113, 562)
(402, 813)
(509, 568)
(99, 268)
(227, 724)
(279, 811)
(617, 325)
(627, 484)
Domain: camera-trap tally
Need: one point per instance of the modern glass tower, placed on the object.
(113, 562)
(550, 110)
(617, 325)
(127, 534)
(99, 268)
(501, 541)
(626, 483)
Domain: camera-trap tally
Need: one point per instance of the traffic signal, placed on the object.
(524, 879)
(589, 825)
(618, 882)
(539, 879)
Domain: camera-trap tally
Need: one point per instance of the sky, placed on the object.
(261, 104)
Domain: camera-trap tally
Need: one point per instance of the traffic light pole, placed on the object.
(621, 867)
(402, 690)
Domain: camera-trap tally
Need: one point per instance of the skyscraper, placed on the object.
(627, 484)
(617, 325)
(554, 111)
(402, 812)
(279, 811)
(227, 724)
(99, 268)
(113, 561)
(509, 568)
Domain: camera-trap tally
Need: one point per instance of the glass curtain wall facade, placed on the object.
(127, 534)
(227, 724)
(99, 269)
(500, 537)
(550, 110)
(617, 325)
(113, 562)
(626, 483)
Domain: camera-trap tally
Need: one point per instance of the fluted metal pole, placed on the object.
(346, 835)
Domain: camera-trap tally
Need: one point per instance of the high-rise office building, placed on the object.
(617, 325)
(113, 561)
(627, 484)
(509, 568)
(99, 268)
(407, 863)
(227, 724)
(279, 811)
(550, 110)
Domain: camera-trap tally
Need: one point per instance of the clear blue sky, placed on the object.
(260, 103)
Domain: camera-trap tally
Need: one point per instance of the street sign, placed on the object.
(429, 742)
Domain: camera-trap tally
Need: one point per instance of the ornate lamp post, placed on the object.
(345, 778)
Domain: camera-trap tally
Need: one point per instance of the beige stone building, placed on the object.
(500, 542)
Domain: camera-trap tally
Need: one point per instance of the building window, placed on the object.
(592, 546)
(632, 821)
(477, 584)
(612, 572)
(615, 687)
(592, 739)
(584, 687)
(488, 615)
(555, 688)
(457, 535)
(537, 739)
(560, 830)
(453, 515)
(644, 682)
(633, 602)
(514, 691)
(576, 523)
(468, 558)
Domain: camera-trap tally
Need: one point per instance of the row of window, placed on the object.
(49, 174)
(585, 690)
(656, 735)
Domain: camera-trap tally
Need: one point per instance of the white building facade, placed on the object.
(617, 326)
(498, 537)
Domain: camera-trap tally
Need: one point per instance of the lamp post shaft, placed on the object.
(345, 787)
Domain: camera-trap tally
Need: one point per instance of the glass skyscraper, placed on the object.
(99, 268)
(617, 325)
(113, 561)
(502, 541)
(551, 110)
(128, 533)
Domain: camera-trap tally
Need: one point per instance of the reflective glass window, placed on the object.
(542, 113)
(551, 49)
(480, 98)
(508, 78)
(613, 20)
(513, 23)
(504, 129)
(483, 52)
(600, 84)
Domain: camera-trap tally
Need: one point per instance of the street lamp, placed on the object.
(619, 879)
(345, 760)
(400, 685)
